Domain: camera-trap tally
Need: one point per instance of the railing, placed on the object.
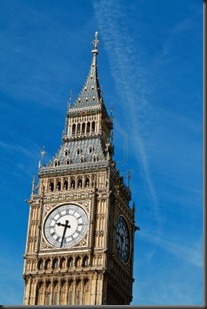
(77, 166)
(80, 134)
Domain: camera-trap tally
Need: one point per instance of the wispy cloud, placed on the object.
(121, 45)
(26, 151)
(191, 253)
(26, 157)
(133, 86)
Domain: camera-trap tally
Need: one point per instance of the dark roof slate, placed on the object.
(90, 95)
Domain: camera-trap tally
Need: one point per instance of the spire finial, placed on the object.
(42, 152)
(70, 99)
(129, 177)
(33, 184)
(95, 43)
(71, 95)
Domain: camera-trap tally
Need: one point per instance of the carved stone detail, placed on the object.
(45, 245)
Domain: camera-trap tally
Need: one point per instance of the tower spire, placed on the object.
(91, 93)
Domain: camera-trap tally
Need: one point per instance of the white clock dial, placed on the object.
(122, 239)
(65, 226)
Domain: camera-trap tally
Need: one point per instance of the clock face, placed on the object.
(122, 239)
(65, 226)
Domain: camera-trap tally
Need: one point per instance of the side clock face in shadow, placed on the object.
(122, 239)
(65, 226)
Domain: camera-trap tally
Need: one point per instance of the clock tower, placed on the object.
(80, 238)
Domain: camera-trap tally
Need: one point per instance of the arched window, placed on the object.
(70, 262)
(82, 159)
(78, 262)
(62, 263)
(40, 264)
(47, 264)
(55, 263)
(73, 129)
(93, 126)
(55, 162)
(88, 127)
(94, 158)
(78, 128)
(58, 185)
(67, 152)
(87, 182)
(90, 150)
(72, 183)
(65, 185)
(51, 186)
(85, 261)
(78, 151)
(79, 183)
(83, 127)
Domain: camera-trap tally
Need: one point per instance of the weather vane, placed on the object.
(95, 43)
(129, 177)
(70, 98)
(71, 95)
(42, 152)
(111, 109)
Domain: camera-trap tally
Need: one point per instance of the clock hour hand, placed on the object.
(61, 224)
(64, 230)
(121, 236)
(121, 240)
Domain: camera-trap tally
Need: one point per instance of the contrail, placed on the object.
(130, 82)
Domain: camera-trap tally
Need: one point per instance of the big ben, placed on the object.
(80, 238)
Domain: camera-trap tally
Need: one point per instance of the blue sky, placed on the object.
(150, 69)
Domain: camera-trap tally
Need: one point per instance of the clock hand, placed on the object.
(121, 236)
(121, 240)
(64, 231)
(61, 224)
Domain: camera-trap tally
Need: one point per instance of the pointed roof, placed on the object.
(85, 151)
(90, 95)
(83, 154)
